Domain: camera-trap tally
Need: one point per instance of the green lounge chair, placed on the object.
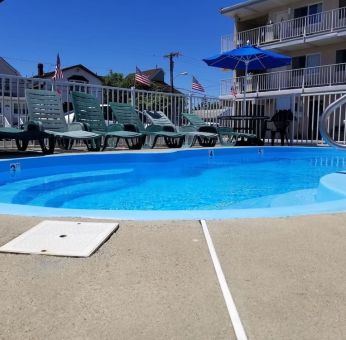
(227, 136)
(126, 114)
(206, 139)
(21, 137)
(45, 114)
(88, 112)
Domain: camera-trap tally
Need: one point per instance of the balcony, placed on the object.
(314, 25)
(312, 77)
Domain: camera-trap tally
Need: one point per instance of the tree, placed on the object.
(170, 105)
(114, 79)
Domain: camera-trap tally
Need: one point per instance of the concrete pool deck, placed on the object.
(156, 280)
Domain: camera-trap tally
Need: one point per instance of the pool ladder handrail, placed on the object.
(324, 120)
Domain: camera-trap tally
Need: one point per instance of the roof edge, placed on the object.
(50, 73)
(17, 73)
(225, 10)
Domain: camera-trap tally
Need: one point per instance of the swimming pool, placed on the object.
(189, 183)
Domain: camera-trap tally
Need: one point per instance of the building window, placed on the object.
(308, 10)
(311, 60)
(340, 56)
(342, 9)
(298, 62)
(300, 12)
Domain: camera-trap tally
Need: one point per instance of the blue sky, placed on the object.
(117, 35)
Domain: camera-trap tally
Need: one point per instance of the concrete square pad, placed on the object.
(62, 238)
(287, 275)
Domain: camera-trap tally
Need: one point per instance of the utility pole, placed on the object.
(171, 56)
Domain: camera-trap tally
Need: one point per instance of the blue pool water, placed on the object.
(221, 179)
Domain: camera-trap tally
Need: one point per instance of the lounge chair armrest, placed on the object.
(225, 130)
(75, 126)
(130, 127)
(153, 128)
(86, 127)
(187, 128)
(160, 128)
(115, 127)
(34, 126)
(206, 128)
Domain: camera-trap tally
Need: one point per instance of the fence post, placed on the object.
(190, 102)
(305, 26)
(133, 96)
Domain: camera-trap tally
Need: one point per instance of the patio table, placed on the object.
(248, 124)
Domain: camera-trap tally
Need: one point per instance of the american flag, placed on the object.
(142, 78)
(196, 85)
(58, 73)
(234, 90)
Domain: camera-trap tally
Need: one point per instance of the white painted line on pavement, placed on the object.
(232, 309)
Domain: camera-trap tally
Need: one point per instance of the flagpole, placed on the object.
(134, 79)
(245, 87)
(133, 90)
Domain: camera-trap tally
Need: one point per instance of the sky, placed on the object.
(116, 35)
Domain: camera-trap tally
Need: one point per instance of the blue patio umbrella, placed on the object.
(248, 58)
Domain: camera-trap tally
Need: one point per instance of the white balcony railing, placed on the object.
(327, 75)
(319, 23)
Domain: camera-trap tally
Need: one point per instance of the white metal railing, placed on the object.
(227, 43)
(327, 75)
(319, 23)
(306, 111)
(303, 129)
(13, 110)
(328, 135)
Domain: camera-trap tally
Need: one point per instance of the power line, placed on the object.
(206, 84)
(29, 61)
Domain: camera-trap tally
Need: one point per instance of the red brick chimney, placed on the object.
(40, 70)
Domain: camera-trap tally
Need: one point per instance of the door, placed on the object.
(280, 16)
(313, 60)
(342, 14)
(298, 67)
(298, 23)
(339, 77)
(300, 12)
(280, 23)
(299, 62)
(315, 20)
(313, 71)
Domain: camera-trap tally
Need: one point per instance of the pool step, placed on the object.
(61, 186)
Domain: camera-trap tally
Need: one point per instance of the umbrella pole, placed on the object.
(245, 87)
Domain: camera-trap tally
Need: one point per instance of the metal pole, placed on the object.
(245, 87)
(133, 96)
(171, 67)
(170, 56)
(190, 102)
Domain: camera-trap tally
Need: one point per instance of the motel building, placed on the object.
(313, 33)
